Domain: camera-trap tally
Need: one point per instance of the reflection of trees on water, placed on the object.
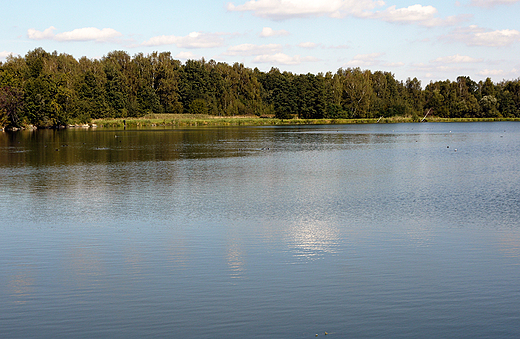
(69, 147)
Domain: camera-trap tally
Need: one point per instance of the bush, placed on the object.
(198, 106)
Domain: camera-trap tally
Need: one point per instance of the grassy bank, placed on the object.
(186, 120)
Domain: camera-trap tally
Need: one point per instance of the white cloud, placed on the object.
(285, 9)
(492, 3)
(497, 38)
(88, 34)
(444, 67)
(497, 74)
(37, 35)
(415, 14)
(268, 31)
(476, 36)
(434, 67)
(79, 34)
(283, 59)
(409, 14)
(435, 70)
(491, 72)
(186, 55)
(250, 49)
(4, 54)
(308, 45)
(192, 40)
(364, 60)
(394, 64)
(456, 59)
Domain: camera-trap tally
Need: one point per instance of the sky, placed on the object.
(429, 40)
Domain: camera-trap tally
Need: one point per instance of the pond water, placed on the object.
(392, 230)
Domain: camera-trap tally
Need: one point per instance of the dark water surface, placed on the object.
(362, 231)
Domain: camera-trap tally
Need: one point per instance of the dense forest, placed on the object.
(50, 89)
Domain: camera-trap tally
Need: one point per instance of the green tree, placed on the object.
(357, 92)
(115, 89)
(198, 106)
(91, 96)
(310, 96)
(280, 93)
(467, 104)
(415, 96)
(488, 88)
(435, 101)
(11, 106)
(489, 106)
(194, 80)
(166, 83)
(118, 88)
(508, 97)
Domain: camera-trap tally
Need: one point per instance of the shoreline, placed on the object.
(183, 121)
(187, 120)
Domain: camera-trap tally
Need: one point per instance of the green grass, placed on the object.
(186, 120)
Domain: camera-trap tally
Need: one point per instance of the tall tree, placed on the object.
(357, 92)
(194, 80)
(11, 105)
(166, 83)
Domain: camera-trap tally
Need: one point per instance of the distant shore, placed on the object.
(186, 120)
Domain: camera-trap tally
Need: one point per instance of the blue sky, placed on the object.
(430, 40)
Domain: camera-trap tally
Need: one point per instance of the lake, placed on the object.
(360, 231)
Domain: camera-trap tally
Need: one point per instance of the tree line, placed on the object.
(50, 89)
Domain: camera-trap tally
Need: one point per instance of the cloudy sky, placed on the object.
(430, 40)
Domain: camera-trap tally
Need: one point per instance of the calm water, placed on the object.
(362, 231)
